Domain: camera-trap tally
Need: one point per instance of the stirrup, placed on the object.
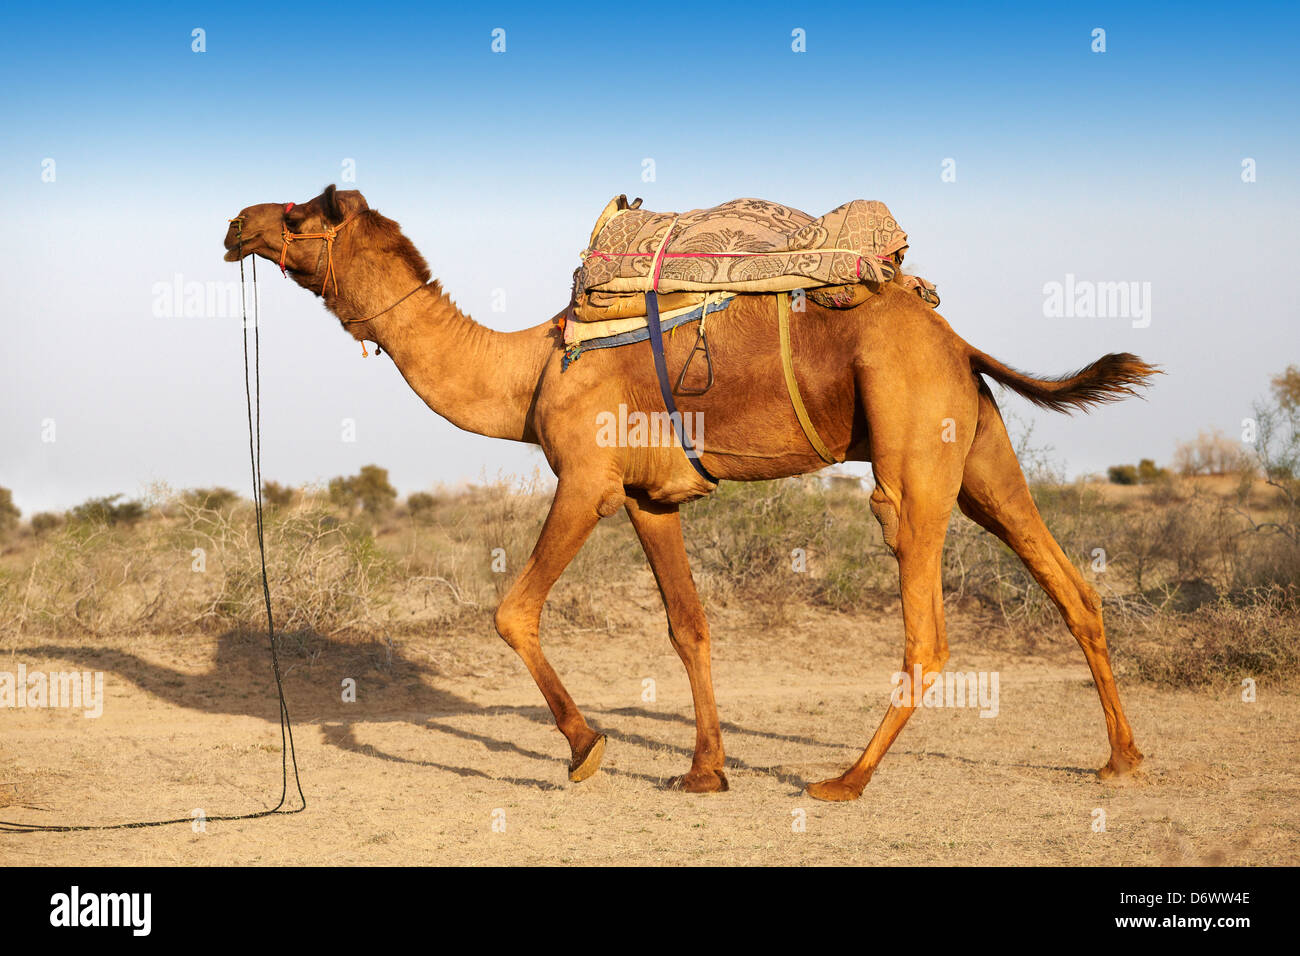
(700, 337)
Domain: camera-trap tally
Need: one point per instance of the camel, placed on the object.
(887, 381)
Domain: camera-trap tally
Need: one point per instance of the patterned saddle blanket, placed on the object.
(745, 245)
(697, 261)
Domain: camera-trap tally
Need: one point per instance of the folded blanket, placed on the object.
(746, 245)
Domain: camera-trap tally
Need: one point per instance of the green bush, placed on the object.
(106, 511)
(9, 513)
(45, 521)
(277, 495)
(1148, 473)
(213, 499)
(369, 489)
(421, 505)
(1122, 475)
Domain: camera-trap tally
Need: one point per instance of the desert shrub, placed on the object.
(787, 541)
(44, 522)
(9, 513)
(978, 567)
(501, 524)
(369, 490)
(421, 506)
(99, 576)
(342, 494)
(1149, 473)
(1122, 475)
(277, 495)
(1273, 556)
(106, 511)
(1146, 472)
(324, 576)
(1210, 453)
(1278, 443)
(742, 539)
(1286, 389)
(193, 567)
(213, 499)
(1218, 645)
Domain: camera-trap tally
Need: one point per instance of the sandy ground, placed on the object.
(449, 736)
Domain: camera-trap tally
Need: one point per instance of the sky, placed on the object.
(1014, 153)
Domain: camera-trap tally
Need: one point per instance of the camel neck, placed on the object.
(479, 379)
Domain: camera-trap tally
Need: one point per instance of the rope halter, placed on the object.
(328, 235)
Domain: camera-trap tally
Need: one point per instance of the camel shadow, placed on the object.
(239, 681)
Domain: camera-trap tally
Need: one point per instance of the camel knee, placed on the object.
(516, 626)
(920, 669)
(610, 502)
(886, 512)
(931, 660)
(1086, 621)
(1091, 600)
(689, 634)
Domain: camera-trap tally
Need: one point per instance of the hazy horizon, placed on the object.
(1168, 162)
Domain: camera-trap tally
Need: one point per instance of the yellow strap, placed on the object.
(792, 386)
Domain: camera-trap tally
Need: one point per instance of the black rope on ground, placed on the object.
(253, 400)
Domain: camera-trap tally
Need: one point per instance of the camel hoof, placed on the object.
(1121, 765)
(701, 781)
(583, 767)
(835, 790)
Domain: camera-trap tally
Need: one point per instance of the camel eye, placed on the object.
(294, 215)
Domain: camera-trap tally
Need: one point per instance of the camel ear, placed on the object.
(339, 205)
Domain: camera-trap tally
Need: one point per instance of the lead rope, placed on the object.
(253, 400)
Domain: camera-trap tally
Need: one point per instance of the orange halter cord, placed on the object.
(328, 235)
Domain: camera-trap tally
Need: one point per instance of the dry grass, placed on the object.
(1200, 588)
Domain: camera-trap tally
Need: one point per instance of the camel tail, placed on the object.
(1109, 379)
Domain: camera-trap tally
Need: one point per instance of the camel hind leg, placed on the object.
(917, 459)
(994, 494)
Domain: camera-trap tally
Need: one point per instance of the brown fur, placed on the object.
(887, 381)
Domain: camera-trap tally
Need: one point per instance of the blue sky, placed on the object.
(1117, 166)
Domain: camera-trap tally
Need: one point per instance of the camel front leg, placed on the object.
(576, 509)
(660, 529)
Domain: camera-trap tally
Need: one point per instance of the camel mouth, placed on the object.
(235, 249)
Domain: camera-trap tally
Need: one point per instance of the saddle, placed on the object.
(741, 246)
(647, 272)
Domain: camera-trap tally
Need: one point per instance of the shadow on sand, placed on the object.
(239, 682)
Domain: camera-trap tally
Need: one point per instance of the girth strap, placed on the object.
(665, 387)
(791, 385)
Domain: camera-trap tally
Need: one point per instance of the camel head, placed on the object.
(310, 228)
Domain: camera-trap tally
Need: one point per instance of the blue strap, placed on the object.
(665, 389)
